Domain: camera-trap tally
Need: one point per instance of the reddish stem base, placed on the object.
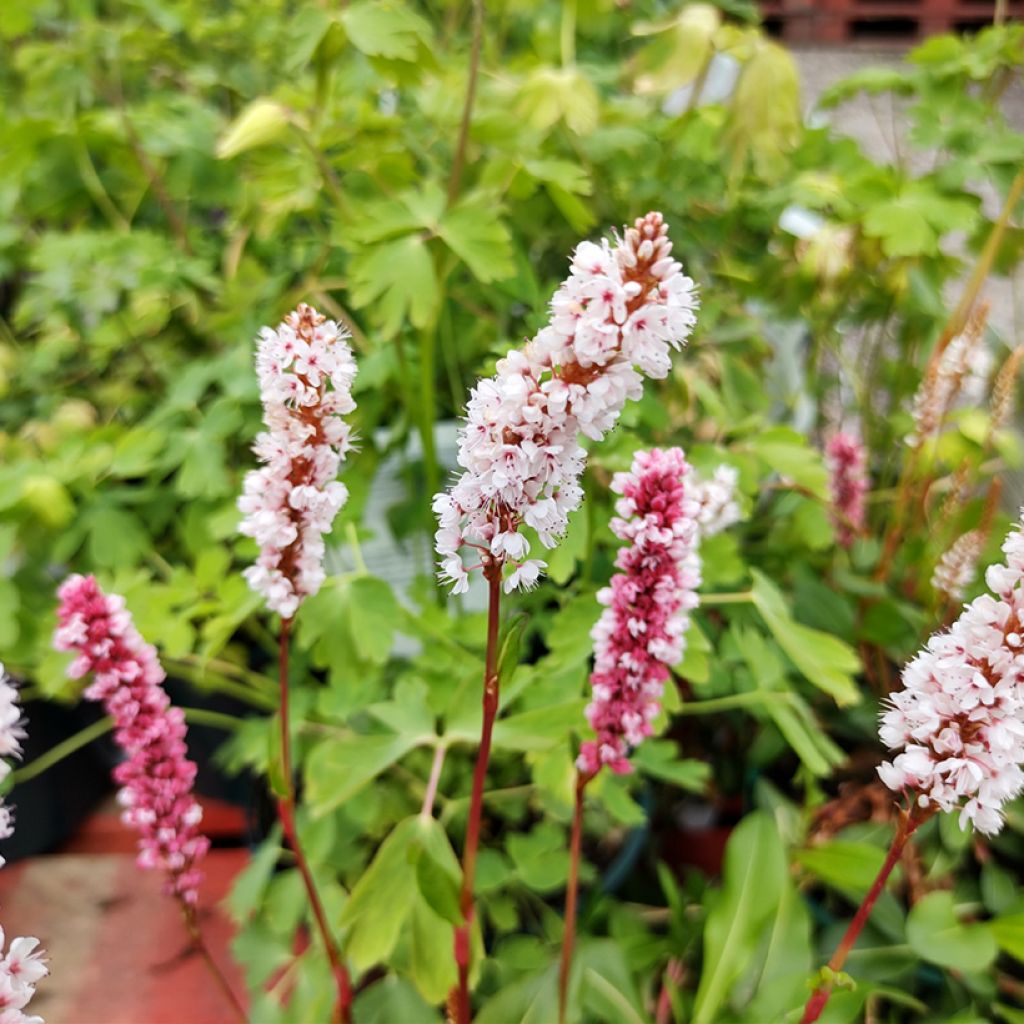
(286, 812)
(460, 1007)
(909, 821)
(571, 893)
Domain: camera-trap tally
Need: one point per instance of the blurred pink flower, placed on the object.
(846, 459)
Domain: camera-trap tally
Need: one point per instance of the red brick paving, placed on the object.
(118, 950)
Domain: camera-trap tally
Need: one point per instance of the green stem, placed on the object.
(206, 681)
(738, 700)
(428, 416)
(567, 33)
(258, 682)
(571, 895)
(455, 180)
(357, 549)
(63, 749)
(741, 597)
(460, 1008)
(216, 719)
(342, 1013)
(94, 186)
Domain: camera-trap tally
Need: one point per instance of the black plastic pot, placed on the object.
(49, 808)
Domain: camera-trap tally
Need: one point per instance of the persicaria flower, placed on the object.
(156, 776)
(962, 369)
(958, 722)
(12, 733)
(716, 497)
(22, 967)
(614, 321)
(846, 460)
(959, 565)
(306, 370)
(641, 631)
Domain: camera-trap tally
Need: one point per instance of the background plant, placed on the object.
(177, 174)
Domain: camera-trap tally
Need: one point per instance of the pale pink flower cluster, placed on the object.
(959, 565)
(306, 370)
(846, 459)
(614, 321)
(22, 965)
(716, 497)
(641, 631)
(958, 722)
(156, 776)
(12, 732)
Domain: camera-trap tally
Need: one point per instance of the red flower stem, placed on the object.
(199, 943)
(909, 821)
(286, 812)
(461, 1009)
(572, 889)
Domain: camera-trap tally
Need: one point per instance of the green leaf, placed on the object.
(936, 935)
(660, 759)
(1009, 934)
(569, 176)
(753, 881)
(550, 95)
(432, 967)
(338, 768)
(616, 1006)
(116, 537)
(437, 871)
(408, 712)
(912, 223)
(250, 884)
(373, 611)
(275, 761)
(396, 280)
(824, 660)
(382, 899)
(540, 728)
(382, 29)
(475, 233)
(788, 960)
(261, 122)
(511, 645)
(788, 453)
(541, 857)
(391, 1000)
(843, 865)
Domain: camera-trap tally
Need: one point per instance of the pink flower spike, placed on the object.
(846, 459)
(641, 632)
(156, 777)
(613, 321)
(306, 370)
(958, 722)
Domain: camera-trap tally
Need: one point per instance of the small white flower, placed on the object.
(525, 576)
